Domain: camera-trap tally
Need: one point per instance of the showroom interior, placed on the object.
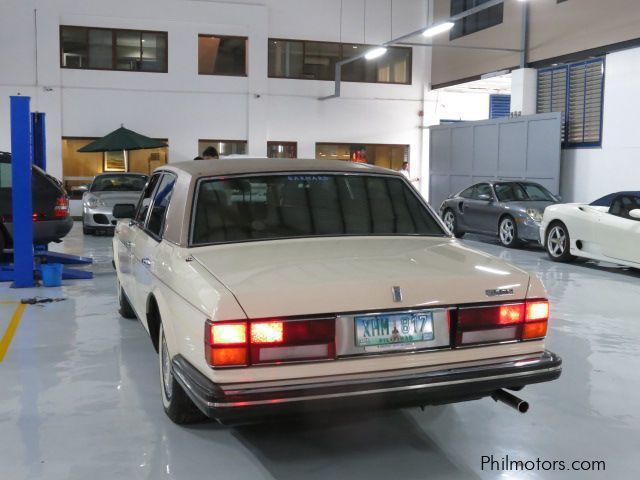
(475, 106)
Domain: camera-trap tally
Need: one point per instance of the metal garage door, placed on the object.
(464, 153)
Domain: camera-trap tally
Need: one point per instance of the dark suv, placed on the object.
(51, 220)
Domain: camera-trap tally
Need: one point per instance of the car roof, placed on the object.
(233, 166)
(608, 199)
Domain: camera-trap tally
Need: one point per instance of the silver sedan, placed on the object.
(106, 191)
(512, 211)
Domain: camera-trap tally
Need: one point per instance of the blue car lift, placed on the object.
(28, 147)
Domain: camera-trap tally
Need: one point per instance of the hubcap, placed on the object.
(449, 220)
(507, 231)
(167, 376)
(557, 241)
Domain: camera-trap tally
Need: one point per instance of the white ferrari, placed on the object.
(606, 230)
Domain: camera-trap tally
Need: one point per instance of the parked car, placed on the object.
(607, 230)
(287, 286)
(105, 191)
(510, 210)
(51, 220)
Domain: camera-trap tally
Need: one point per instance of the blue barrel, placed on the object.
(51, 274)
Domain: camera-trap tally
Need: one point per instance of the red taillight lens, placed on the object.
(502, 323)
(243, 343)
(267, 332)
(61, 209)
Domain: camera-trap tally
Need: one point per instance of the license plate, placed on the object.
(394, 328)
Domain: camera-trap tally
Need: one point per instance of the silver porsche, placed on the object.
(107, 190)
(510, 210)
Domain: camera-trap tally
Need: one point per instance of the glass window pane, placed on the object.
(320, 59)
(224, 147)
(74, 47)
(161, 201)
(222, 55)
(285, 58)
(100, 48)
(154, 52)
(282, 149)
(128, 54)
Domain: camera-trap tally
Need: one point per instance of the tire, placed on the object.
(557, 243)
(126, 310)
(508, 232)
(450, 220)
(176, 403)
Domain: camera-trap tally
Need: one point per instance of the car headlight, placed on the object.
(536, 215)
(92, 202)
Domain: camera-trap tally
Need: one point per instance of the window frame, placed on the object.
(407, 185)
(158, 237)
(565, 126)
(114, 48)
(246, 54)
(453, 34)
(341, 57)
(285, 144)
(142, 223)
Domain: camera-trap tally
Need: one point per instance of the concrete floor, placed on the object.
(80, 398)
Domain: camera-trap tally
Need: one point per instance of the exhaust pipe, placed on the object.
(509, 399)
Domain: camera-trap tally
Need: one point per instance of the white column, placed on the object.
(523, 90)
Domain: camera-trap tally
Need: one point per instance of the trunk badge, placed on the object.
(499, 292)
(397, 294)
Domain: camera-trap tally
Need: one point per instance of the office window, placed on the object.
(224, 147)
(387, 156)
(499, 106)
(487, 18)
(317, 60)
(219, 55)
(113, 49)
(576, 91)
(282, 149)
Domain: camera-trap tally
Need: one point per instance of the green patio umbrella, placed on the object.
(122, 139)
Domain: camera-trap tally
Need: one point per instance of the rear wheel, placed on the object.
(177, 404)
(126, 310)
(508, 232)
(558, 243)
(451, 222)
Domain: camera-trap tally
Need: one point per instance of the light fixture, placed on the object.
(375, 53)
(439, 28)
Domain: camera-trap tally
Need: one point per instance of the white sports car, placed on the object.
(606, 230)
(291, 286)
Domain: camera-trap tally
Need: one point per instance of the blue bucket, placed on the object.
(51, 274)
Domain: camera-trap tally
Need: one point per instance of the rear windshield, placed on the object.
(119, 183)
(288, 206)
(522, 192)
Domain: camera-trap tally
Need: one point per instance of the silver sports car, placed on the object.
(107, 190)
(511, 210)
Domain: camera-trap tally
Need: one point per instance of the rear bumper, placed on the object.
(446, 385)
(45, 231)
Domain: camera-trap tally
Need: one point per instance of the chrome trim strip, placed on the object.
(372, 392)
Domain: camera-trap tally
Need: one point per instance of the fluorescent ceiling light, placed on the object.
(436, 29)
(375, 53)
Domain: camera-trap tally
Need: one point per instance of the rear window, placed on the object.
(119, 183)
(289, 206)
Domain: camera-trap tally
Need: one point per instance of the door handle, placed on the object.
(146, 261)
(128, 243)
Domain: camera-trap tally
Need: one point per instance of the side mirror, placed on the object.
(635, 213)
(124, 210)
(559, 198)
(485, 197)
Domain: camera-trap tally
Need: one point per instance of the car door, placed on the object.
(619, 232)
(127, 235)
(147, 240)
(478, 211)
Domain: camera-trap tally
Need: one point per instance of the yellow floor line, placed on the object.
(11, 330)
(8, 303)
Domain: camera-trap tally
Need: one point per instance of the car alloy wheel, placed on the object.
(507, 231)
(557, 241)
(165, 366)
(450, 220)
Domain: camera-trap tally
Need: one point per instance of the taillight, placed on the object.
(244, 343)
(502, 323)
(61, 210)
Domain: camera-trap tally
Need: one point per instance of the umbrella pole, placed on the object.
(126, 160)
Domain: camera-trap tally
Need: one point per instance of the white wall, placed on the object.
(590, 173)
(181, 105)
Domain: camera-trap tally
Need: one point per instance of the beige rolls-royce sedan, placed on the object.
(287, 287)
